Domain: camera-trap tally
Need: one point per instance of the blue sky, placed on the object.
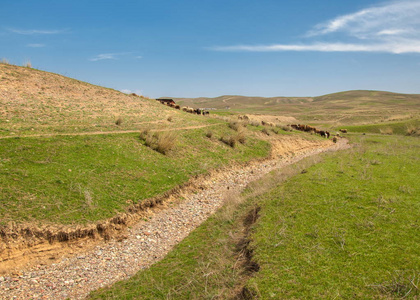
(209, 48)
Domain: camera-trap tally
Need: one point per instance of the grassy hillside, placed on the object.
(346, 227)
(408, 127)
(345, 108)
(64, 159)
(36, 102)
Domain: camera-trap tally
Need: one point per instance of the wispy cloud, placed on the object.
(104, 56)
(35, 31)
(35, 45)
(115, 56)
(393, 27)
(394, 17)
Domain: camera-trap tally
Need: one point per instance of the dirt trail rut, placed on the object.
(148, 241)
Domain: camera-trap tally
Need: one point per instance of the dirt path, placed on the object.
(106, 132)
(147, 242)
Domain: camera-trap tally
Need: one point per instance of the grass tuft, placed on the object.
(236, 125)
(386, 130)
(162, 142)
(27, 64)
(265, 130)
(118, 122)
(231, 141)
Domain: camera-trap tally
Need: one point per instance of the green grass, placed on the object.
(400, 128)
(79, 179)
(344, 228)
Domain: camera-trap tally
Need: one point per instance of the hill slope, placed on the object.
(35, 102)
(350, 107)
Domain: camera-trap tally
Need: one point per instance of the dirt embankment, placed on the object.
(24, 245)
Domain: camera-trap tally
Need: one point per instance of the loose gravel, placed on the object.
(145, 243)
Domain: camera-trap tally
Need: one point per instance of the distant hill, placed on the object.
(349, 107)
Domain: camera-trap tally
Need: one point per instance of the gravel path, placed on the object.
(146, 242)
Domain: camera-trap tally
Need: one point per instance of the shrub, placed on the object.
(387, 130)
(170, 119)
(235, 125)
(165, 142)
(209, 134)
(265, 131)
(27, 64)
(412, 130)
(230, 141)
(144, 133)
(241, 137)
(118, 122)
(161, 142)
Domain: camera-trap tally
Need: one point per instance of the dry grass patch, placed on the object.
(265, 130)
(229, 140)
(236, 125)
(413, 130)
(162, 142)
(27, 64)
(118, 122)
(386, 130)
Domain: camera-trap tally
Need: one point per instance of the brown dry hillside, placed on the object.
(35, 102)
(350, 107)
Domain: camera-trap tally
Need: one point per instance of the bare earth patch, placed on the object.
(149, 240)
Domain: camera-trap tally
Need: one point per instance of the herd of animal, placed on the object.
(187, 109)
(311, 129)
(301, 127)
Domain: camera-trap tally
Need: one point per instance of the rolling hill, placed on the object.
(349, 107)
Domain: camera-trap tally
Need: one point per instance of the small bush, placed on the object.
(209, 134)
(235, 125)
(161, 142)
(230, 141)
(144, 133)
(387, 130)
(412, 130)
(265, 131)
(118, 122)
(241, 137)
(165, 142)
(170, 119)
(27, 64)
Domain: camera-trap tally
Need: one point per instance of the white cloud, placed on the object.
(104, 56)
(397, 16)
(397, 48)
(35, 31)
(114, 56)
(35, 45)
(393, 27)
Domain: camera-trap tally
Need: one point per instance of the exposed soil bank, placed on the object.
(169, 219)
